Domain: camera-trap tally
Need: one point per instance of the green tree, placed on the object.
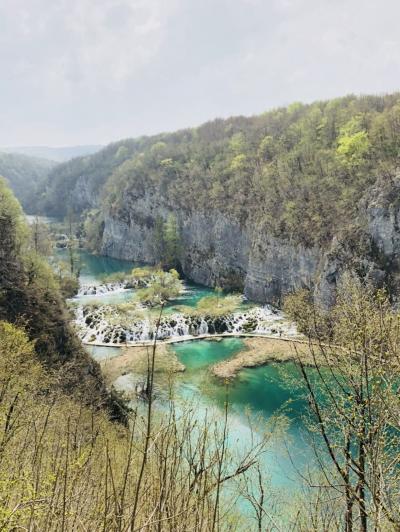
(41, 238)
(354, 403)
(93, 229)
(122, 153)
(172, 243)
(163, 286)
(353, 144)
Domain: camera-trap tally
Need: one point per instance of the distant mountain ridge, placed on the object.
(57, 154)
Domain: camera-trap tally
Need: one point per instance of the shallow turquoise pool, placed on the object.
(255, 395)
(94, 267)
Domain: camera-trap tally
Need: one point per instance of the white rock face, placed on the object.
(217, 250)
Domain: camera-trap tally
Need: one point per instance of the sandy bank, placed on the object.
(261, 351)
(135, 360)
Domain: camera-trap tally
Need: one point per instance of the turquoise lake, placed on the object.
(256, 394)
(94, 267)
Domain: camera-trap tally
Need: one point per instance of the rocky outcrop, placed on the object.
(85, 194)
(219, 250)
(371, 247)
(216, 250)
(277, 267)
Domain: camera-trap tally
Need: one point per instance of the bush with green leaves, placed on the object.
(163, 287)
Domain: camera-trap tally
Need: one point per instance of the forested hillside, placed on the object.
(30, 297)
(300, 168)
(25, 174)
(281, 187)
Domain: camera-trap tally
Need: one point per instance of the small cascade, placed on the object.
(203, 329)
(101, 289)
(110, 288)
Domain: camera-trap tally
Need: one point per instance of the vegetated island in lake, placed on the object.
(136, 360)
(256, 352)
(262, 351)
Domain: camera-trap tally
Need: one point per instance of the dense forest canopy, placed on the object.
(25, 174)
(299, 170)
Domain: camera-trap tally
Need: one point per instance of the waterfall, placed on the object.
(101, 289)
(94, 326)
(203, 329)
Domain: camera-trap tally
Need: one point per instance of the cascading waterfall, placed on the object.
(101, 289)
(94, 325)
(110, 288)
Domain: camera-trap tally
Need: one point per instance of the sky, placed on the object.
(95, 71)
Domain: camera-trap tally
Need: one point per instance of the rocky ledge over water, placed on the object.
(220, 250)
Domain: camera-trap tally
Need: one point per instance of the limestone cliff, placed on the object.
(264, 204)
(219, 250)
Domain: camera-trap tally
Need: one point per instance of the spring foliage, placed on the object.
(30, 296)
(68, 467)
(354, 402)
(299, 171)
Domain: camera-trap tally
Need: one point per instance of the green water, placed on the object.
(256, 394)
(192, 295)
(94, 267)
(202, 353)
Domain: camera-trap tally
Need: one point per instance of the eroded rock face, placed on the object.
(277, 267)
(216, 250)
(219, 250)
(383, 225)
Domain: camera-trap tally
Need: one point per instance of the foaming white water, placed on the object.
(94, 325)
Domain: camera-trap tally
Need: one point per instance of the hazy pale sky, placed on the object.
(93, 71)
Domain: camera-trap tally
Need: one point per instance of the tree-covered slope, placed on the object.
(64, 464)
(77, 183)
(300, 169)
(30, 297)
(258, 202)
(24, 174)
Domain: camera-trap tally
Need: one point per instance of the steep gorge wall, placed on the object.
(306, 171)
(219, 250)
